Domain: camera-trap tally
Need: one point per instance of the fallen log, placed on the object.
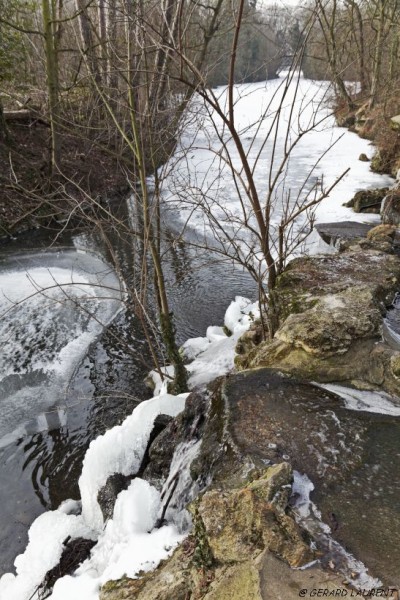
(24, 115)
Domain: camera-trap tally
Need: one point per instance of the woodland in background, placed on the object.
(70, 68)
(77, 67)
(358, 41)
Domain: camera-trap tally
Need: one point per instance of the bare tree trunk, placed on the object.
(52, 83)
(377, 60)
(360, 44)
(328, 26)
(87, 39)
(4, 136)
(111, 31)
(103, 37)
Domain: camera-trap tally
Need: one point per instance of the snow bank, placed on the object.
(217, 357)
(120, 450)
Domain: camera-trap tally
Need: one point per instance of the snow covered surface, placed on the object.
(198, 175)
(362, 400)
(120, 450)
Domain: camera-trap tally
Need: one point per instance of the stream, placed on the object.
(67, 374)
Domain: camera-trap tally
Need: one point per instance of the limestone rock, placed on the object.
(395, 364)
(168, 582)
(237, 583)
(382, 231)
(330, 309)
(240, 523)
(333, 323)
(367, 200)
(306, 279)
(395, 123)
(381, 161)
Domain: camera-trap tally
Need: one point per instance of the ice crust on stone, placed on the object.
(120, 450)
(364, 400)
(309, 517)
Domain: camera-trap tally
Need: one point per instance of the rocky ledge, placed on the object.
(270, 425)
(331, 312)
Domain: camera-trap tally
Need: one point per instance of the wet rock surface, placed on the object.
(257, 425)
(353, 458)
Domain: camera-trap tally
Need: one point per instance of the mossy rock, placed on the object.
(368, 201)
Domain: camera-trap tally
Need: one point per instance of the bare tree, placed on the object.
(250, 235)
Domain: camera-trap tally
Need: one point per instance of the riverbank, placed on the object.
(29, 198)
(380, 125)
(334, 441)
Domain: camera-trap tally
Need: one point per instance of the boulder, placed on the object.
(240, 523)
(307, 279)
(385, 232)
(243, 524)
(231, 529)
(335, 233)
(391, 208)
(395, 123)
(368, 201)
(266, 578)
(382, 161)
(333, 323)
(330, 309)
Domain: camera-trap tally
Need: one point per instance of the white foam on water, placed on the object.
(49, 316)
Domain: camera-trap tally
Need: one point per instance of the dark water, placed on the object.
(41, 467)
